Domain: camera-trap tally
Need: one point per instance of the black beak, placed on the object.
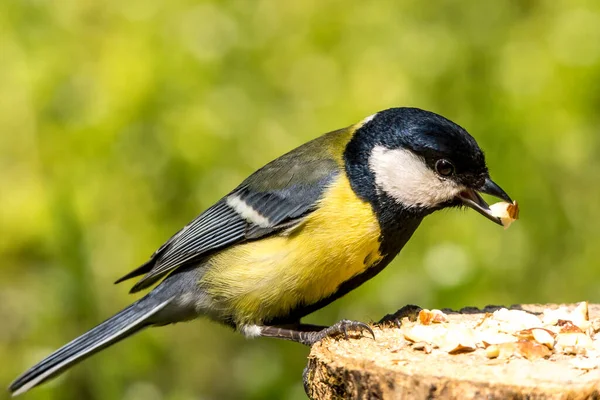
(471, 198)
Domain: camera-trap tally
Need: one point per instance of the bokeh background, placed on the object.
(122, 120)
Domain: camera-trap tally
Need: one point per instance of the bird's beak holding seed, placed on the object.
(471, 198)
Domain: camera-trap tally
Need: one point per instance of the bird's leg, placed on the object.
(409, 311)
(310, 334)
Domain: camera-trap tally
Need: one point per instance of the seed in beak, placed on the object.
(507, 212)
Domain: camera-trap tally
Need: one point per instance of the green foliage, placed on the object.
(121, 120)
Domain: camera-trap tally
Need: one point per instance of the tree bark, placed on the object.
(391, 368)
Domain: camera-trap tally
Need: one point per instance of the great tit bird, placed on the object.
(299, 233)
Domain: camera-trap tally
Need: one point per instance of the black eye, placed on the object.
(444, 167)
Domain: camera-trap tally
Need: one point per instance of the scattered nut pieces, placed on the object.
(507, 212)
(523, 348)
(514, 320)
(506, 350)
(579, 316)
(422, 333)
(450, 338)
(492, 351)
(426, 347)
(544, 336)
(539, 335)
(458, 339)
(573, 343)
(491, 337)
(510, 333)
(427, 317)
(568, 327)
(532, 350)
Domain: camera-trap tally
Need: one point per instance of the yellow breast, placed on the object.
(268, 278)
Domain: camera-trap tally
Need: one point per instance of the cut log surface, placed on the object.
(392, 367)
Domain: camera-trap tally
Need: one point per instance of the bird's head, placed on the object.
(422, 161)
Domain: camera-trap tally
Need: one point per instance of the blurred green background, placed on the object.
(122, 120)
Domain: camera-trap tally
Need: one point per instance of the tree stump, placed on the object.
(392, 367)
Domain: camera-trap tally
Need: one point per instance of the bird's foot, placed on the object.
(310, 334)
(340, 328)
(409, 311)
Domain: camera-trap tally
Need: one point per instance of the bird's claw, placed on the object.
(342, 327)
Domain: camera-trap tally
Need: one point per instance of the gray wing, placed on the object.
(273, 198)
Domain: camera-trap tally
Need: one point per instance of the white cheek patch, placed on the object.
(405, 177)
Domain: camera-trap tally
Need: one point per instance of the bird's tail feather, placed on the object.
(127, 322)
